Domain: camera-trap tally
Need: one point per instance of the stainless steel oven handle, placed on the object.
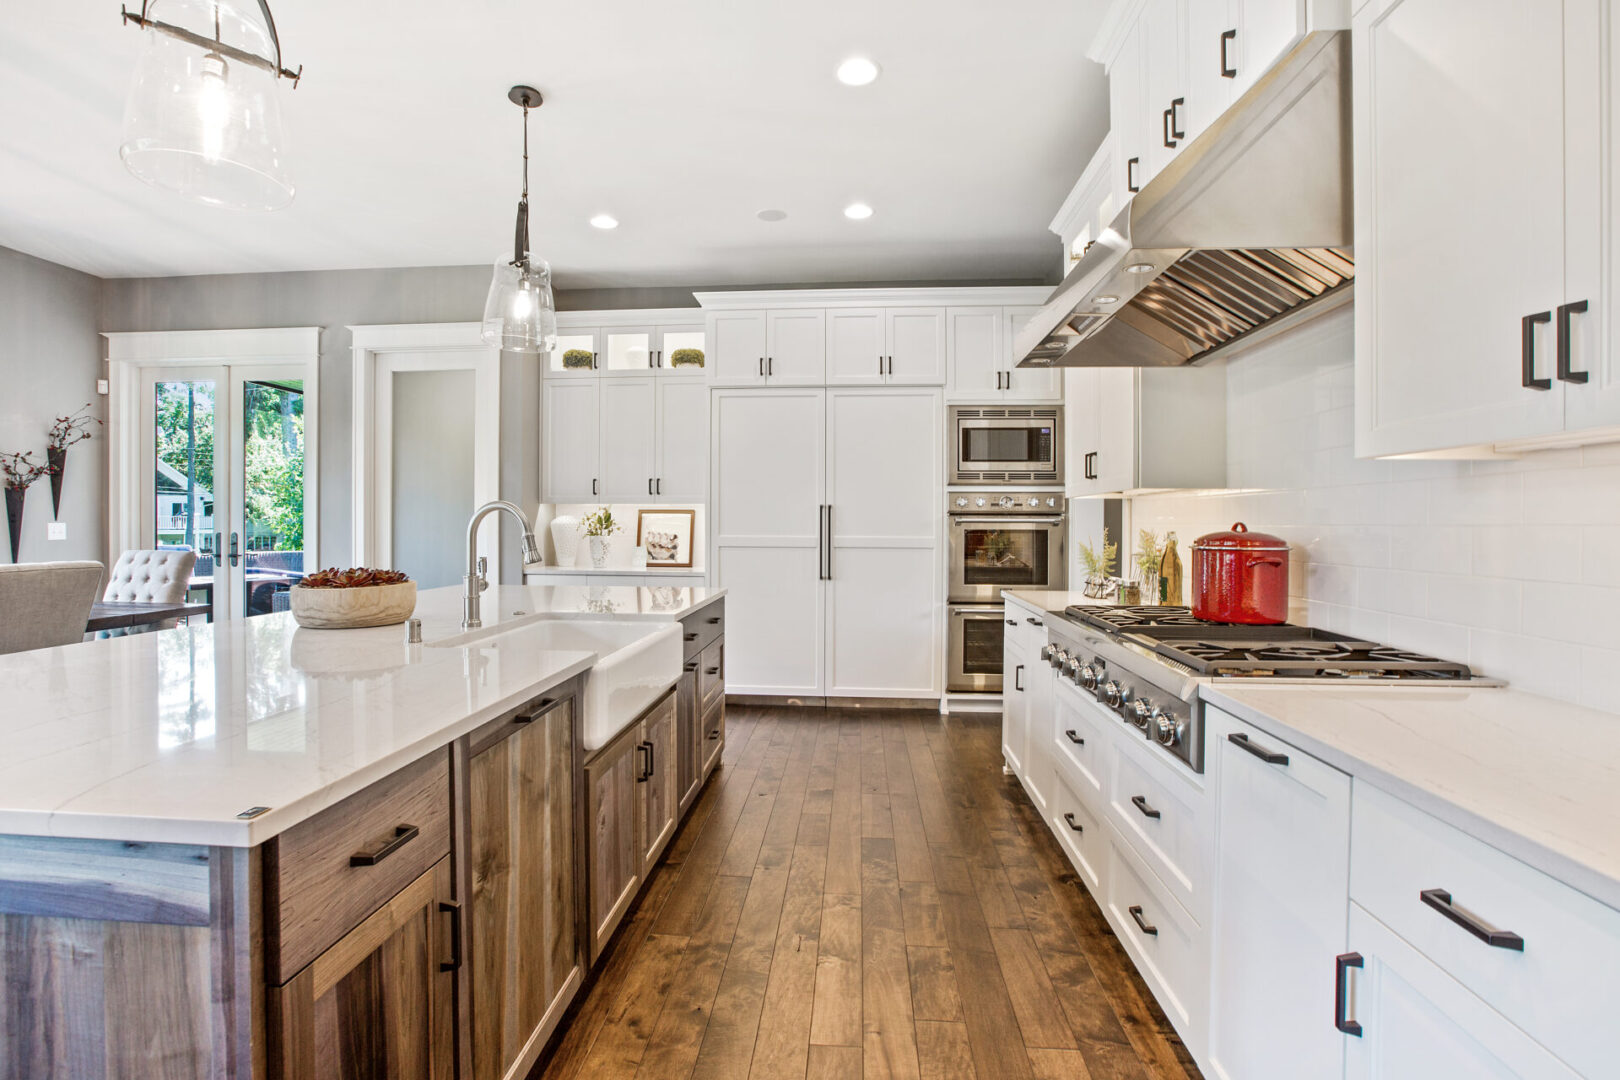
(1010, 519)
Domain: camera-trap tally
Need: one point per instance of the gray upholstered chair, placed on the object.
(46, 604)
(151, 577)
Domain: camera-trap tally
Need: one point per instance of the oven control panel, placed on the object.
(1029, 502)
(1158, 715)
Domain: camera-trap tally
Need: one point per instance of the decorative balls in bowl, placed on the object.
(347, 599)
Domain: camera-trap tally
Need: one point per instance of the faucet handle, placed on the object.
(483, 573)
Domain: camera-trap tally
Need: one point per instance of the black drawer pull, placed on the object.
(715, 734)
(454, 908)
(690, 637)
(714, 621)
(1340, 964)
(711, 671)
(1034, 622)
(1012, 622)
(1227, 70)
(1130, 185)
(1440, 900)
(540, 708)
(1270, 757)
(646, 768)
(692, 666)
(1075, 825)
(403, 835)
(1136, 913)
(1141, 803)
(1074, 737)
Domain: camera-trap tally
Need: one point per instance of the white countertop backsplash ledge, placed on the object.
(167, 737)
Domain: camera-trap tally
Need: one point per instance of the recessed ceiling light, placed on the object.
(857, 211)
(771, 215)
(1107, 299)
(857, 71)
(605, 221)
(1139, 268)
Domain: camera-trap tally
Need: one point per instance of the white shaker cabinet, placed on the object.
(886, 346)
(572, 439)
(982, 367)
(1478, 217)
(737, 339)
(1127, 96)
(1229, 45)
(855, 346)
(628, 457)
(682, 467)
(1016, 666)
(796, 348)
(1142, 428)
(1282, 876)
(1165, 108)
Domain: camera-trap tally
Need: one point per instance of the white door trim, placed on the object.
(130, 351)
(377, 351)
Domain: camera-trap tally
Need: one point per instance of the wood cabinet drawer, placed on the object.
(1081, 744)
(324, 876)
(714, 732)
(1166, 943)
(712, 672)
(702, 628)
(1559, 988)
(1079, 833)
(1165, 816)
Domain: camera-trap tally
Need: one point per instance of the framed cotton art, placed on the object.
(667, 536)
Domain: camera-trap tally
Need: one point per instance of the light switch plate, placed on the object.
(102, 387)
(56, 530)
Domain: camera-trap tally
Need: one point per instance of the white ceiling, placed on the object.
(681, 119)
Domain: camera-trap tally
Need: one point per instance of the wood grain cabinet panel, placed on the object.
(660, 798)
(613, 833)
(688, 736)
(378, 1004)
(523, 940)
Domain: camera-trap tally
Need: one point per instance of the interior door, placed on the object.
(767, 459)
(855, 346)
(186, 498)
(629, 450)
(572, 439)
(271, 505)
(915, 345)
(885, 454)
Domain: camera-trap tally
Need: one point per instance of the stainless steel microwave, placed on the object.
(1006, 444)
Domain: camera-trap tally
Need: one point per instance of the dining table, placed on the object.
(120, 614)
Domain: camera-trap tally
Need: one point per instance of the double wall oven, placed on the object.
(998, 539)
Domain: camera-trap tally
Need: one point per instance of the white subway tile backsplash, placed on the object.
(1511, 565)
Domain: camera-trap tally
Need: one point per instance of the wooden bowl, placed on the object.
(347, 609)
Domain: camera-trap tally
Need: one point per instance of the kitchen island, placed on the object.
(249, 849)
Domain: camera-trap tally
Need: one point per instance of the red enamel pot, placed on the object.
(1240, 576)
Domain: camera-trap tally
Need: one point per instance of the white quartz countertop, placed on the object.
(1047, 599)
(167, 737)
(1536, 778)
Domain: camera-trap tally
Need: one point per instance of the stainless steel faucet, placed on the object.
(471, 602)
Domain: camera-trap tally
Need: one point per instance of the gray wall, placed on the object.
(50, 359)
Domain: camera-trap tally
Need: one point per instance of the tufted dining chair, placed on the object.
(46, 604)
(151, 577)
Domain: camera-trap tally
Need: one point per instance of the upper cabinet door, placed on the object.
(570, 436)
(629, 444)
(681, 350)
(974, 344)
(738, 341)
(915, 346)
(628, 350)
(1266, 31)
(683, 441)
(1214, 54)
(1596, 402)
(796, 348)
(1027, 384)
(1127, 115)
(855, 346)
(577, 353)
(1162, 25)
(1460, 191)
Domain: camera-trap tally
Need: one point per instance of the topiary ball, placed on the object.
(576, 359)
(686, 358)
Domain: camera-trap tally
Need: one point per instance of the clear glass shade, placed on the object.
(204, 124)
(521, 314)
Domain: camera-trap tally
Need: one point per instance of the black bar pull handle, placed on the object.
(1130, 175)
(1564, 312)
(1169, 143)
(1527, 351)
(1440, 900)
(1270, 757)
(1342, 963)
(1141, 803)
(646, 763)
(762, 367)
(1227, 70)
(693, 666)
(1034, 622)
(1018, 678)
(1175, 119)
(454, 908)
(1074, 737)
(714, 620)
(403, 835)
(1143, 924)
(1073, 824)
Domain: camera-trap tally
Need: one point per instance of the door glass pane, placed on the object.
(574, 352)
(1008, 557)
(183, 484)
(272, 493)
(998, 444)
(982, 643)
(629, 350)
(683, 350)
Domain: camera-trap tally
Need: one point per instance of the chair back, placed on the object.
(151, 577)
(46, 604)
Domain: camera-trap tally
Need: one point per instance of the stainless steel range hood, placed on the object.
(1244, 233)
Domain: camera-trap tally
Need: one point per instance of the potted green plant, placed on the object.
(579, 360)
(599, 525)
(1099, 566)
(686, 358)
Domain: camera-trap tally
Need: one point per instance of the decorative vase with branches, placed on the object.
(73, 428)
(599, 524)
(20, 471)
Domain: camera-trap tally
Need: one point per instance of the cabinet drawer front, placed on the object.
(700, 630)
(1081, 742)
(714, 732)
(712, 672)
(317, 883)
(1171, 961)
(1165, 818)
(1560, 988)
(1080, 833)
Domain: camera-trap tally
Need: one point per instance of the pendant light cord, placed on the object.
(520, 242)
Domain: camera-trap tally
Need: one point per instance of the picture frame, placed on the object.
(667, 536)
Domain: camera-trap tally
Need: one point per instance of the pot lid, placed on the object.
(1239, 538)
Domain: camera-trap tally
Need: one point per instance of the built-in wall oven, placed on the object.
(997, 540)
(1006, 444)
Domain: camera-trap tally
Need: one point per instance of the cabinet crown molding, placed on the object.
(1088, 191)
(877, 297)
(1116, 26)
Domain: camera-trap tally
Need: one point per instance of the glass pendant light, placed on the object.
(202, 117)
(521, 314)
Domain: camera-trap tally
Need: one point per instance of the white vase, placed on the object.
(599, 551)
(565, 538)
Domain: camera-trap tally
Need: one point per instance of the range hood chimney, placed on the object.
(1245, 233)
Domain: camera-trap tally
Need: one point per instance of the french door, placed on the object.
(224, 472)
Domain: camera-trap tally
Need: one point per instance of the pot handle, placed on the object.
(1266, 560)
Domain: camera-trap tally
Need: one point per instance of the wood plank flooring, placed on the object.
(863, 894)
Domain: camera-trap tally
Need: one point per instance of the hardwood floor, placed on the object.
(864, 894)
